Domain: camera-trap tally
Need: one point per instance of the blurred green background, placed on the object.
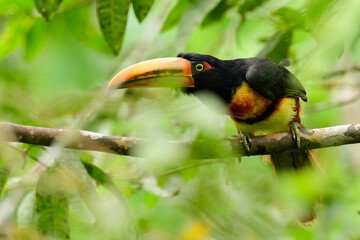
(54, 73)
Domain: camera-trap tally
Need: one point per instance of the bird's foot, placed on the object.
(245, 140)
(295, 132)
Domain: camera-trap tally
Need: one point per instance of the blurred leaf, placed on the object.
(78, 23)
(4, 174)
(96, 173)
(14, 6)
(175, 14)
(317, 9)
(47, 8)
(142, 8)
(250, 5)
(192, 18)
(151, 199)
(216, 14)
(25, 211)
(35, 38)
(101, 177)
(276, 48)
(290, 18)
(13, 35)
(52, 204)
(190, 173)
(112, 17)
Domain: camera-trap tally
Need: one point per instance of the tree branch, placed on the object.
(84, 140)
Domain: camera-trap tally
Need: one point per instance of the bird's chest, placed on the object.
(247, 104)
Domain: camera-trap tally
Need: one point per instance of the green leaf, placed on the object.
(215, 14)
(276, 48)
(47, 8)
(192, 18)
(14, 6)
(189, 174)
(101, 177)
(4, 174)
(250, 5)
(315, 10)
(13, 34)
(290, 18)
(151, 199)
(142, 8)
(35, 38)
(51, 205)
(175, 15)
(96, 173)
(112, 17)
(25, 211)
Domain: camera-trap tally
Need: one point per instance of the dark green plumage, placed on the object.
(272, 80)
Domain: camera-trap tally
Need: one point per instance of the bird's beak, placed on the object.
(161, 72)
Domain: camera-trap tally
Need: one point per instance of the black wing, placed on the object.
(272, 80)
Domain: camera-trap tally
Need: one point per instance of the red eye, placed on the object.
(207, 66)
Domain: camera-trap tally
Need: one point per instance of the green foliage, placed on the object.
(53, 74)
(290, 18)
(13, 34)
(112, 16)
(96, 173)
(101, 177)
(249, 5)
(217, 12)
(192, 18)
(277, 47)
(142, 8)
(47, 8)
(4, 174)
(175, 15)
(77, 21)
(35, 38)
(52, 205)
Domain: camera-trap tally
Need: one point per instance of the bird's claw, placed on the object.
(295, 132)
(245, 140)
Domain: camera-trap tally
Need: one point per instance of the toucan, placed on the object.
(261, 96)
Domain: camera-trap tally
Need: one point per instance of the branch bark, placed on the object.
(85, 140)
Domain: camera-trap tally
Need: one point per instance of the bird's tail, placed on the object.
(295, 160)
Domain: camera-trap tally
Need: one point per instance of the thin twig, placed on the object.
(337, 103)
(22, 153)
(342, 72)
(193, 165)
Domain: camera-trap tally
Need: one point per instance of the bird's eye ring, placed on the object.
(199, 67)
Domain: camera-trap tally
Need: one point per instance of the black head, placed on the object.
(212, 74)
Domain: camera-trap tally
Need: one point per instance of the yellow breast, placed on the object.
(285, 112)
(247, 103)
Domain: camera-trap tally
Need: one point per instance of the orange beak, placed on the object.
(160, 72)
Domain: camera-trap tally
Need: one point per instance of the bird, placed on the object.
(260, 96)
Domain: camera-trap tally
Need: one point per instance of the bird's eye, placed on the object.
(199, 67)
